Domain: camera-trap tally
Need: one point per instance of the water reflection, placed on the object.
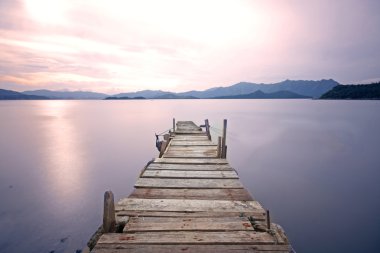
(64, 157)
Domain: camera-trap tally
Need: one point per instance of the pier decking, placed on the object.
(190, 200)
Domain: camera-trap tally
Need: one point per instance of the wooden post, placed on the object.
(224, 147)
(268, 220)
(173, 125)
(219, 151)
(109, 219)
(207, 129)
(163, 147)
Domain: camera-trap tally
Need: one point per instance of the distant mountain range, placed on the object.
(305, 88)
(66, 94)
(13, 95)
(283, 94)
(361, 91)
(165, 95)
(289, 89)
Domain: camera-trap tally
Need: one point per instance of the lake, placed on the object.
(314, 164)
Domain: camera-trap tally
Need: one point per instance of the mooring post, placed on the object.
(219, 151)
(268, 220)
(207, 129)
(173, 125)
(109, 219)
(224, 147)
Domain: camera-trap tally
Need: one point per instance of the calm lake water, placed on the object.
(314, 164)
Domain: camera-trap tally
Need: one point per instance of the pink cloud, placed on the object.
(182, 46)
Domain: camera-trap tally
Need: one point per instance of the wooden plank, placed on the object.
(188, 183)
(187, 138)
(279, 233)
(168, 166)
(189, 174)
(188, 248)
(185, 151)
(199, 148)
(174, 154)
(213, 194)
(189, 237)
(190, 132)
(207, 149)
(191, 161)
(187, 205)
(211, 153)
(191, 143)
(190, 138)
(156, 224)
(188, 126)
(199, 151)
(181, 127)
(151, 220)
(257, 215)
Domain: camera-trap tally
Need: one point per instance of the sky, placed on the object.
(116, 46)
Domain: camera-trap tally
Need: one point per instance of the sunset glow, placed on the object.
(125, 45)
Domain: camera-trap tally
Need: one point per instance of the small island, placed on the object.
(124, 98)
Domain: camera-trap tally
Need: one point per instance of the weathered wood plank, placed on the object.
(189, 174)
(279, 233)
(126, 214)
(193, 148)
(156, 224)
(191, 154)
(204, 153)
(188, 183)
(189, 248)
(190, 132)
(257, 215)
(191, 161)
(190, 138)
(192, 143)
(212, 194)
(187, 125)
(187, 205)
(150, 220)
(174, 154)
(168, 166)
(235, 237)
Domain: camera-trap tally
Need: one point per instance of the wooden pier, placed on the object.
(188, 200)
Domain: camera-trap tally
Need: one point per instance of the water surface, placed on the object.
(314, 164)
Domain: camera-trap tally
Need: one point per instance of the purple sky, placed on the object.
(123, 45)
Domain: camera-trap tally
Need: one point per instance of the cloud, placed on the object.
(132, 45)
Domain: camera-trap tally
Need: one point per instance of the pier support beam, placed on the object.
(219, 151)
(224, 146)
(268, 220)
(109, 219)
(208, 129)
(173, 125)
